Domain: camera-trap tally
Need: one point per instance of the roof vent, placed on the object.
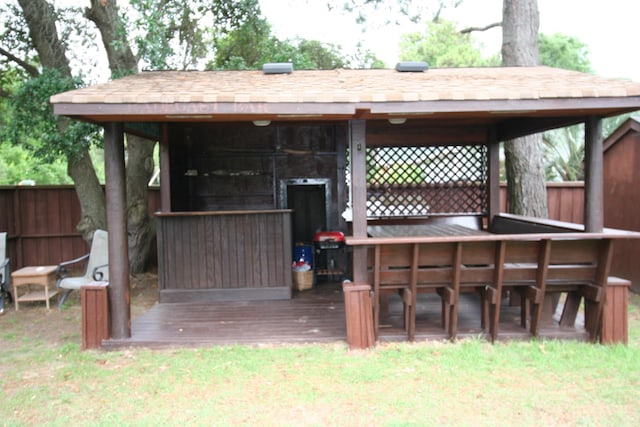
(412, 67)
(277, 68)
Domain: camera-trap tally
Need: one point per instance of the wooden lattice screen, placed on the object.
(423, 181)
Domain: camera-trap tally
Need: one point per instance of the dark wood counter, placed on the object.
(224, 255)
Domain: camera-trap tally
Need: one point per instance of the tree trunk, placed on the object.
(41, 21)
(90, 195)
(524, 157)
(113, 32)
(524, 164)
(141, 228)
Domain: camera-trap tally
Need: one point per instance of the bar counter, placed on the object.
(224, 255)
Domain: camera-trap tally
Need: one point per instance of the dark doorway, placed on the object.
(308, 199)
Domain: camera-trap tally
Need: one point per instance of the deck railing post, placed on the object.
(358, 315)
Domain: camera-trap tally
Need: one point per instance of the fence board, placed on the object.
(41, 220)
(41, 223)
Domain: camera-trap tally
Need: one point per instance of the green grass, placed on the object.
(469, 382)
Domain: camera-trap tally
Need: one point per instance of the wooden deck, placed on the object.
(314, 316)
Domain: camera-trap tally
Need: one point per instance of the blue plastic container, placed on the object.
(303, 253)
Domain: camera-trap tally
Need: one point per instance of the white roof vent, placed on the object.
(277, 68)
(412, 67)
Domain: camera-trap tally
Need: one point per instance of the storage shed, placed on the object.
(622, 195)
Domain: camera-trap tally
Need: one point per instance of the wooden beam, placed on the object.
(593, 175)
(165, 170)
(420, 133)
(119, 291)
(522, 126)
(358, 149)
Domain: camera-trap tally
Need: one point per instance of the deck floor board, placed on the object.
(313, 316)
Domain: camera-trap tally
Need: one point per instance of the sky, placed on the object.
(607, 27)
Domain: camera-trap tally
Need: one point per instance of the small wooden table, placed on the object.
(34, 276)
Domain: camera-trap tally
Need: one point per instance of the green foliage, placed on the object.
(17, 164)
(172, 34)
(34, 126)
(564, 148)
(252, 44)
(442, 45)
(564, 154)
(398, 173)
(561, 51)
(364, 58)
(245, 46)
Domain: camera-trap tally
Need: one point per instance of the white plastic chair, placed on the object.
(5, 273)
(97, 267)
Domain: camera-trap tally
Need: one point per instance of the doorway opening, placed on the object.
(310, 200)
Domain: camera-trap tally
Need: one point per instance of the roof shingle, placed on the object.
(350, 86)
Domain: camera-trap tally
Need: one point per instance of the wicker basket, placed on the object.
(303, 280)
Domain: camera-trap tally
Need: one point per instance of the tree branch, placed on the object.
(488, 27)
(33, 71)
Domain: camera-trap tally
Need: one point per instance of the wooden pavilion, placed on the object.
(254, 161)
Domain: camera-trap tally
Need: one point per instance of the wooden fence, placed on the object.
(41, 220)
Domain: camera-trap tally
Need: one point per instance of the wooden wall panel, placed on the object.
(621, 200)
(239, 166)
(224, 255)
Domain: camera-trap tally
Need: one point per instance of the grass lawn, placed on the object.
(470, 382)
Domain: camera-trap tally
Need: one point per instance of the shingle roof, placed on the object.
(350, 86)
(343, 94)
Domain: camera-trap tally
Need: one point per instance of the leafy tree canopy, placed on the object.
(564, 148)
(33, 125)
(17, 164)
(442, 45)
(562, 51)
(173, 34)
(253, 44)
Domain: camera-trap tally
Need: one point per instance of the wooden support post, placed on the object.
(360, 333)
(358, 149)
(119, 294)
(593, 174)
(493, 159)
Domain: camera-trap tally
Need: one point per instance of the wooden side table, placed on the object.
(41, 276)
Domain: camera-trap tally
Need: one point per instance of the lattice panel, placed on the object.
(414, 181)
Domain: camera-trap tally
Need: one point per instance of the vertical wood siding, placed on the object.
(621, 200)
(41, 224)
(232, 251)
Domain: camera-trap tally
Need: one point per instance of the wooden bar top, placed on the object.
(222, 213)
(370, 241)
(400, 234)
(422, 230)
